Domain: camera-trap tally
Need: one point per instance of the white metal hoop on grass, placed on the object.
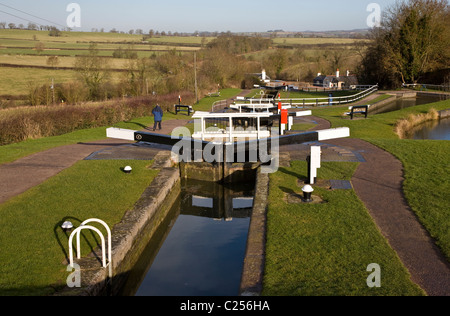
(77, 231)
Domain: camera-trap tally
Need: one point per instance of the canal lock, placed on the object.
(197, 246)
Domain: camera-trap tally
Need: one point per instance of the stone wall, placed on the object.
(129, 237)
(253, 270)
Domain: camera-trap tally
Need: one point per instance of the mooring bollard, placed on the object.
(127, 169)
(307, 193)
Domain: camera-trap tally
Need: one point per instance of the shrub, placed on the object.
(404, 127)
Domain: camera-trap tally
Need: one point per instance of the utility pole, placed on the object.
(53, 91)
(195, 73)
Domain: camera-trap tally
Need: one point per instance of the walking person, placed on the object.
(158, 114)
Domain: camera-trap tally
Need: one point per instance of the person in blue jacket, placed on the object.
(158, 114)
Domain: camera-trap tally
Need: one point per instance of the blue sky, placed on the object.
(198, 15)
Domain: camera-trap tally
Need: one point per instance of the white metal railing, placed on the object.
(77, 232)
(366, 90)
(253, 106)
(427, 87)
(328, 100)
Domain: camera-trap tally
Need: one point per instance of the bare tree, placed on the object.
(94, 70)
(53, 61)
(39, 47)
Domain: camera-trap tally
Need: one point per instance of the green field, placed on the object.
(19, 48)
(17, 81)
(324, 249)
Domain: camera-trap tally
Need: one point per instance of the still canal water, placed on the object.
(436, 130)
(403, 103)
(199, 250)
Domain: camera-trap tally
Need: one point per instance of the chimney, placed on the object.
(337, 73)
(263, 75)
(348, 73)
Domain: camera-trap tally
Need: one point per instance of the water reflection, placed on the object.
(436, 130)
(201, 246)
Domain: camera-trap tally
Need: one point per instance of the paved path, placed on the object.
(25, 173)
(379, 184)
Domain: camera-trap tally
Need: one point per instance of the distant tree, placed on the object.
(2, 25)
(32, 26)
(55, 32)
(39, 47)
(128, 53)
(278, 61)
(11, 26)
(53, 61)
(138, 76)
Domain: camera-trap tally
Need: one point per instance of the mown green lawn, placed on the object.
(33, 245)
(325, 249)
(425, 162)
(206, 103)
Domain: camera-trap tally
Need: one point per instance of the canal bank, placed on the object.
(404, 99)
(431, 125)
(137, 225)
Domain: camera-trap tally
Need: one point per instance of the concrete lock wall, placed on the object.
(219, 172)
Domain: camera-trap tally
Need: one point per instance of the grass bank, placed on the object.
(324, 249)
(404, 127)
(206, 103)
(425, 162)
(34, 247)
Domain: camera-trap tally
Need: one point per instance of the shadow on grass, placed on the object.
(299, 176)
(60, 232)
